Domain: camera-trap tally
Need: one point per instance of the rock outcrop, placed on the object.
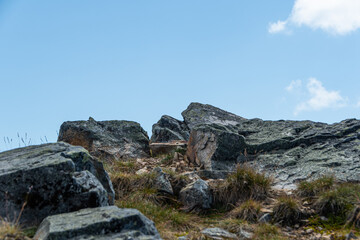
(50, 179)
(107, 140)
(290, 151)
(168, 129)
(200, 114)
(98, 223)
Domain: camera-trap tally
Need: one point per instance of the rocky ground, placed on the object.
(214, 175)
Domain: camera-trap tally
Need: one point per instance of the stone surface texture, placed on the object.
(196, 195)
(50, 179)
(98, 223)
(218, 234)
(290, 151)
(107, 140)
(168, 129)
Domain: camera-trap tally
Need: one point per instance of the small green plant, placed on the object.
(168, 159)
(286, 211)
(267, 232)
(315, 187)
(248, 211)
(245, 183)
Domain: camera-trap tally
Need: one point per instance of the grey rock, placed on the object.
(183, 238)
(98, 223)
(218, 234)
(108, 140)
(266, 218)
(162, 183)
(168, 129)
(245, 235)
(290, 151)
(214, 147)
(199, 114)
(196, 195)
(51, 178)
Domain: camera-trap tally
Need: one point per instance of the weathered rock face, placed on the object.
(298, 150)
(51, 178)
(214, 147)
(108, 140)
(168, 129)
(199, 114)
(98, 223)
(196, 195)
(288, 150)
(162, 183)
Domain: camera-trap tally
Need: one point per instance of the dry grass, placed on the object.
(247, 211)
(339, 201)
(286, 211)
(10, 230)
(267, 232)
(245, 183)
(315, 187)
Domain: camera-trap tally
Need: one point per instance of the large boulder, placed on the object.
(98, 223)
(199, 114)
(168, 129)
(50, 179)
(107, 140)
(290, 151)
(196, 195)
(214, 147)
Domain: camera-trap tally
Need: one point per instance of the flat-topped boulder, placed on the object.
(167, 148)
(98, 223)
(107, 140)
(50, 179)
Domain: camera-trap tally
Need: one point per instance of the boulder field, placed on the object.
(64, 185)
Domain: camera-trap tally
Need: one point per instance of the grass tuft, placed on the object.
(267, 232)
(286, 211)
(248, 211)
(339, 201)
(245, 183)
(315, 187)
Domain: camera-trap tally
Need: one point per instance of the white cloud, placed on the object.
(334, 16)
(319, 98)
(295, 84)
(277, 27)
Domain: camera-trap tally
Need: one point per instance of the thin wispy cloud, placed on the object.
(295, 84)
(318, 97)
(277, 27)
(338, 17)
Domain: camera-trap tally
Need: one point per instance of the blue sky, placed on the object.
(66, 60)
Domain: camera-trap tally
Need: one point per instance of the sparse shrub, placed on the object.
(167, 160)
(286, 211)
(245, 183)
(339, 201)
(315, 187)
(267, 232)
(248, 211)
